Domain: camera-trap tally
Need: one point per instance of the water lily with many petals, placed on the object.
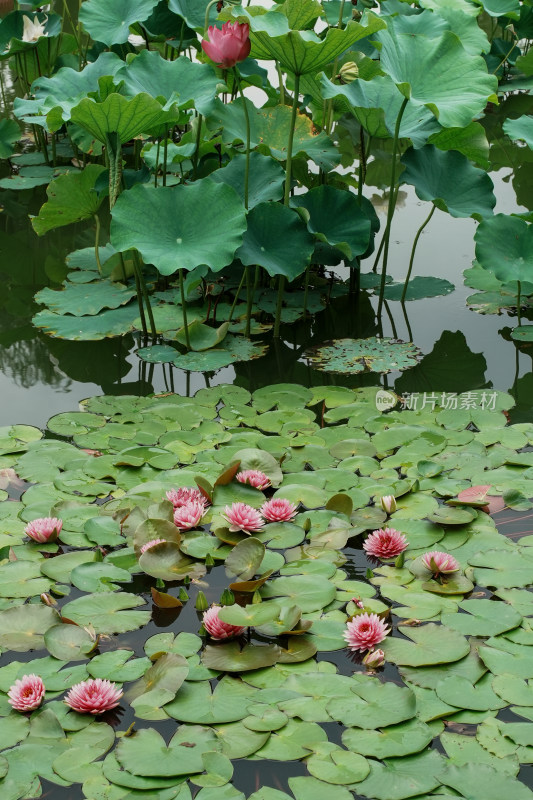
(218, 629)
(228, 45)
(189, 515)
(44, 529)
(365, 631)
(385, 543)
(27, 693)
(440, 563)
(33, 31)
(242, 517)
(93, 696)
(254, 477)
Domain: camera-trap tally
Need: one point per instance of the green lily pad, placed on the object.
(364, 355)
(430, 644)
(403, 739)
(112, 25)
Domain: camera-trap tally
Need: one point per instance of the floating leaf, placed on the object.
(364, 355)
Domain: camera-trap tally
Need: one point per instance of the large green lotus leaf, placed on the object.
(302, 52)
(501, 8)
(270, 128)
(9, 134)
(110, 22)
(458, 691)
(504, 245)
(502, 568)
(450, 181)
(30, 177)
(277, 240)
(146, 753)
(231, 657)
(264, 717)
(265, 180)
(193, 12)
(513, 690)
(196, 703)
(438, 73)
(470, 141)
(500, 662)
(85, 298)
(12, 31)
(375, 705)
(309, 592)
(418, 288)
(335, 217)
(376, 105)
(394, 741)
(108, 613)
(482, 782)
(182, 80)
(521, 128)
(22, 628)
(22, 579)
(399, 778)
(364, 355)
(120, 116)
(430, 644)
(109, 323)
(168, 228)
(463, 749)
(71, 198)
(292, 742)
(483, 618)
(232, 349)
(245, 559)
(311, 693)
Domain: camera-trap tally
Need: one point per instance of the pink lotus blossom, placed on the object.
(184, 495)
(438, 562)
(44, 529)
(189, 515)
(385, 543)
(27, 693)
(152, 543)
(374, 659)
(278, 510)
(254, 477)
(242, 517)
(218, 629)
(228, 45)
(365, 631)
(93, 696)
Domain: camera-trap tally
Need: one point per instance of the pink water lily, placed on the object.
(228, 45)
(365, 631)
(242, 517)
(189, 515)
(254, 477)
(27, 693)
(278, 510)
(216, 628)
(151, 543)
(93, 696)
(388, 503)
(385, 543)
(440, 563)
(184, 495)
(44, 529)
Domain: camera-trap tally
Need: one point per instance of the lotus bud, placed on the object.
(209, 560)
(307, 525)
(182, 595)
(348, 72)
(160, 583)
(358, 602)
(227, 598)
(388, 503)
(369, 574)
(256, 598)
(400, 561)
(187, 580)
(201, 602)
(48, 600)
(374, 659)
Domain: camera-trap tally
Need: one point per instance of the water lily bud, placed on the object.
(400, 561)
(48, 600)
(374, 659)
(209, 560)
(182, 595)
(388, 503)
(348, 72)
(358, 602)
(256, 598)
(307, 525)
(160, 583)
(227, 598)
(201, 602)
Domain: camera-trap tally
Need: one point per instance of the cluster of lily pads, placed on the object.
(452, 588)
(216, 204)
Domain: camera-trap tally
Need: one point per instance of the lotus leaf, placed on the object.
(483, 782)
(111, 25)
(375, 705)
(146, 754)
(430, 644)
(86, 298)
(108, 612)
(195, 703)
(364, 355)
(504, 245)
(400, 778)
(403, 739)
(294, 741)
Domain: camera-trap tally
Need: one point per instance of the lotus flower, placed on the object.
(385, 543)
(44, 529)
(93, 696)
(278, 510)
(388, 503)
(254, 477)
(33, 30)
(189, 515)
(438, 562)
(242, 517)
(27, 693)
(218, 629)
(151, 543)
(374, 659)
(365, 631)
(228, 45)
(183, 495)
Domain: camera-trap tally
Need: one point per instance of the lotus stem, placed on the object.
(281, 85)
(247, 123)
(144, 289)
(415, 243)
(518, 300)
(140, 301)
(306, 289)
(97, 243)
(207, 10)
(165, 158)
(198, 138)
(392, 203)
(184, 311)
(235, 299)
(249, 301)
(157, 151)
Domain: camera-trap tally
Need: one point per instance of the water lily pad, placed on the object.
(399, 778)
(336, 766)
(483, 618)
(403, 739)
(375, 705)
(108, 612)
(22, 628)
(195, 703)
(430, 644)
(364, 355)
